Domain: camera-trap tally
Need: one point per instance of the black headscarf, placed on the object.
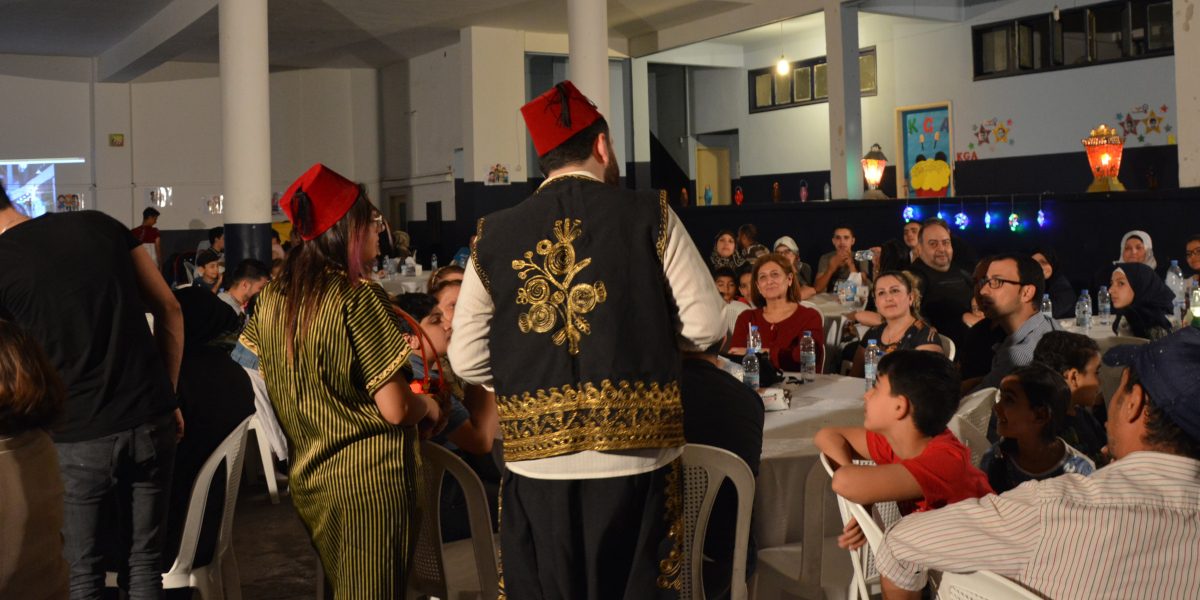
(735, 262)
(1152, 301)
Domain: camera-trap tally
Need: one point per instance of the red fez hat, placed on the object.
(558, 114)
(330, 196)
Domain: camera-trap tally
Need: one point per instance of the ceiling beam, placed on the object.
(159, 39)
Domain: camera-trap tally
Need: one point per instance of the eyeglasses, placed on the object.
(1192, 253)
(994, 283)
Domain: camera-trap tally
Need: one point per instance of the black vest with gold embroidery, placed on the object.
(583, 349)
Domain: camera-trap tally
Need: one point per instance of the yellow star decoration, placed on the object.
(548, 290)
(1001, 133)
(1153, 123)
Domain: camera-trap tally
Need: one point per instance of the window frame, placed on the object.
(811, 65)
(1052, 47)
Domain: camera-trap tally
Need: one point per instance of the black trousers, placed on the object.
(589, 539)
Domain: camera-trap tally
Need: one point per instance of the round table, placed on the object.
(399, 284)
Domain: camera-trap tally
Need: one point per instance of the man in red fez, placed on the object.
(575, 306)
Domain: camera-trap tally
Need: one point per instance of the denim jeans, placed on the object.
(134, 466)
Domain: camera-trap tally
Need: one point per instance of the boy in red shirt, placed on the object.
(919, 463)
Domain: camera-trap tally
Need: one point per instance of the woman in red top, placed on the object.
(780, 318)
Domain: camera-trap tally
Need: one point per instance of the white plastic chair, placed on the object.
(220, 578)
(264, 454)
(970, 422)
(948, 347)
(981, 585)
(434, 560)
(704, 469)
(873, 523)
(797, 569)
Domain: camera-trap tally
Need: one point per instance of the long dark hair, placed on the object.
(339, 248)
(31, 394)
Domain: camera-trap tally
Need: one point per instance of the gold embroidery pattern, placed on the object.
(573, 418)
(670, 569)
(551, 298)
(487, 284)
(664, 220)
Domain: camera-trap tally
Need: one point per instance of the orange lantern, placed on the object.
(1104, 147)
(873, 164)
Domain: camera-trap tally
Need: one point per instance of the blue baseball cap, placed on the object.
(1169, 371)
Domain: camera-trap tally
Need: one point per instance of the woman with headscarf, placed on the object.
(331, 350)
(725, 252)
(1137, 247)
(1141, 301)
(1062, 296)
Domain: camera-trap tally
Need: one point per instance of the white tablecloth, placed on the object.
(789, 454)
(397, 284)
(1096, 331)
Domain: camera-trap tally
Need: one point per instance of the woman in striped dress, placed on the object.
(330, 350)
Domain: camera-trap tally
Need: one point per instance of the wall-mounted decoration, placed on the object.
(497, 175)
(924, 135)
(708, 197)
(738, 196)
(215, 204)
(1147, 125)
(775, 195)
(116, 140)
(69, 203)
(159, 197)
(990, 135)
(683, 197)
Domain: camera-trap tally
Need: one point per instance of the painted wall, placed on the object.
(172, 129)
(926, 61)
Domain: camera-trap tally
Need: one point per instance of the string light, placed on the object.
(1014, 222)
(1041, 219)
(910, 214)
(961, 220)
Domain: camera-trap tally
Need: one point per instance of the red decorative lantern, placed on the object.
(1104, 147)
(873, 164)
(738, 196)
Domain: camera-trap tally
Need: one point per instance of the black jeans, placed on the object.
(134, 465)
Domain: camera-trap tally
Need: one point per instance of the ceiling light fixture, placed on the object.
(782, 66)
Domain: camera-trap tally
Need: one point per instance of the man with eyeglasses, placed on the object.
(946, 290)
(1009, 296)
(1193, 256)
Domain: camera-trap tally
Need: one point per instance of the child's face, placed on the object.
(744, 285)
(433, 327)
(726, 287)
(879, 406)
(211, 271)
(1014, 417)
(1085, 384)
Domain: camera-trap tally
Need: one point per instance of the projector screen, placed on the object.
(32, 189)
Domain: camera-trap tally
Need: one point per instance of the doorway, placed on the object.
(712, 172)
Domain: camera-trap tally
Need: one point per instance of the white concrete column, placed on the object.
(1186, 19)
(587, 39)
(245, 127)
(845, 106)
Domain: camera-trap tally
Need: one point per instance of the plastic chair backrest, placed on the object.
(231, 451)
(948, 347)
(970, 422)
(704, 469)
(428, 574)
(873, 524)
(981, 585)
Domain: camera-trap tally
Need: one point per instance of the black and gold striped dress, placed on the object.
(354, 476)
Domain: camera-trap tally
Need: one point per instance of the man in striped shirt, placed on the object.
(1128, 530)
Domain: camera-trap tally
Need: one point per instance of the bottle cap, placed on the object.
(807, 333)
(1045, 296)
(872, 342)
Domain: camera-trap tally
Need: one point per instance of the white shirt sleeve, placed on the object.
(468, 352)
(701, 323)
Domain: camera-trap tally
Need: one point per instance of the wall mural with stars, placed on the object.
(988, 137)
(1146, 125)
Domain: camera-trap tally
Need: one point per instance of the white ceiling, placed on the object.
(321, 33)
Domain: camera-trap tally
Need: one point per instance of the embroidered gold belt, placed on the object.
(573, 418)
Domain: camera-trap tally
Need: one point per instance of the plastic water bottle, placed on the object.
(1176, 282)
(1047, 306)
(870, 362)
(750, 374)
(432, 262)
(754, 340)
(1194, 309)
(1104, 305)
(808, 357)
(1083, 311)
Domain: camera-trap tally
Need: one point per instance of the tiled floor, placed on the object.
(275, 557)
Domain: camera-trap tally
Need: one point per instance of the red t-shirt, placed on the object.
(783, 338)
(145, 235)
(943, 470)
